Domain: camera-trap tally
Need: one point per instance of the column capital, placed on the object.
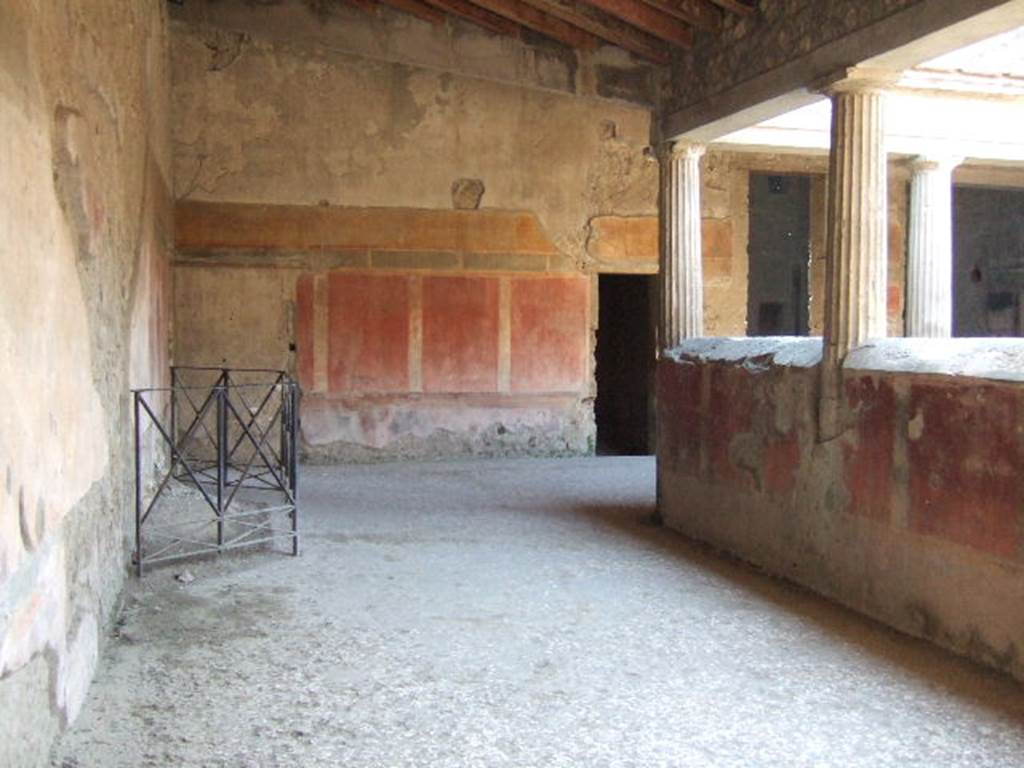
(933, 162)
(677, 148)
(857, 80)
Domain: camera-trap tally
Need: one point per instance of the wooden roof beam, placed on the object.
(651, 20)
(607, 28)
(527, 15)
(366, 6)
(683, 12)
(701, 13)
(736, 6)
(418, 9)
(477, 15)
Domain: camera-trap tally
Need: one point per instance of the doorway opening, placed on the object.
(780, 250)
(625, 356)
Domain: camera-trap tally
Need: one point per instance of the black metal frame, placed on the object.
(218, 426)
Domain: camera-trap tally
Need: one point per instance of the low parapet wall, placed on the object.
(913, 515)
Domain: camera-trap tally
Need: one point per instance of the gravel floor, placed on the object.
(516, 613)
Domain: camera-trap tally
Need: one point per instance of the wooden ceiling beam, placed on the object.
(418, 9)
(605, 27)
(477, 15)
(526, 15)
(675, 9)
(651, 20)
(366, 6)
(735, 6)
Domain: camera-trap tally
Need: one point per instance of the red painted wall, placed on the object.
(460, 334)
(549, 333)
(947, 450)
(372, 342)
(368, 333)
(304, 329)
(913, 513)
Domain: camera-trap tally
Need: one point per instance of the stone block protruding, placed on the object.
(466, 194)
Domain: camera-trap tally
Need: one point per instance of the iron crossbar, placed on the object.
(229, 437)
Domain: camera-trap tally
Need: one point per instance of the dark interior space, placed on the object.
(777, 303)
(988, 242)
(625, 365)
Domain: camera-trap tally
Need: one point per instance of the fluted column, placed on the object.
(856, 255)
(930, 258)
(681, 274)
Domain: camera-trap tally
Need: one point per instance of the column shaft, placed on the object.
(681, 272)
(855, 308)
(930, 258)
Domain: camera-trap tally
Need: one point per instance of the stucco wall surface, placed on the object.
(85, 232)
(304, 156)
(912, 515)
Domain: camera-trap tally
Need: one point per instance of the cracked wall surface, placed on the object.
(85, 233)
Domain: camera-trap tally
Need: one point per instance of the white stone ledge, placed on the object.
(791, 351)
(1000, 359)
(996, 359)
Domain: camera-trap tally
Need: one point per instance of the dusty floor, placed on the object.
(517, 613)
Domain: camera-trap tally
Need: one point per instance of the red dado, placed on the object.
(550, 337)
(460, 334)
(781, 462)
(965, 458)
(304, 291)
(869, 453)
(368, 333)
(730, 412)
(680, 414)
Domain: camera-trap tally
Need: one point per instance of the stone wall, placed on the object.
(322, 159)
(779, 33)
(760, 65)
(85, 229)
(912, 515)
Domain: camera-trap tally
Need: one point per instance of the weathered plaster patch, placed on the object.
(915, 427)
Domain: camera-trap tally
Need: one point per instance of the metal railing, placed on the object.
(225, 444)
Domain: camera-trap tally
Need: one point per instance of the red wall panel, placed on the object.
(460, 334)
(304, 330)
(550, 339)
(368, 327)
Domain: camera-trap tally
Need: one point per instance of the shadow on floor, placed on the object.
(955, 675)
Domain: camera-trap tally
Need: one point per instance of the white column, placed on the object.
(930, 258)
(681, 273)
(857, 253)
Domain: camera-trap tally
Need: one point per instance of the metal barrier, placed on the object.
(228, 438)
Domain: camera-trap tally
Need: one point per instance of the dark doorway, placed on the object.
(779, 249)
(625, 365)
(988, 262)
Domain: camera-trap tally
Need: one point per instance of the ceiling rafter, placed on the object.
(419, 9)
(528, 16)
(606, 27)
(650, 29)
(736, 6)
(477, 15)
(698, 14)
(366, 6)
(672, 7)
(652, 21)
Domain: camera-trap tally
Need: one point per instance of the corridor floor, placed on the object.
(516, 613)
